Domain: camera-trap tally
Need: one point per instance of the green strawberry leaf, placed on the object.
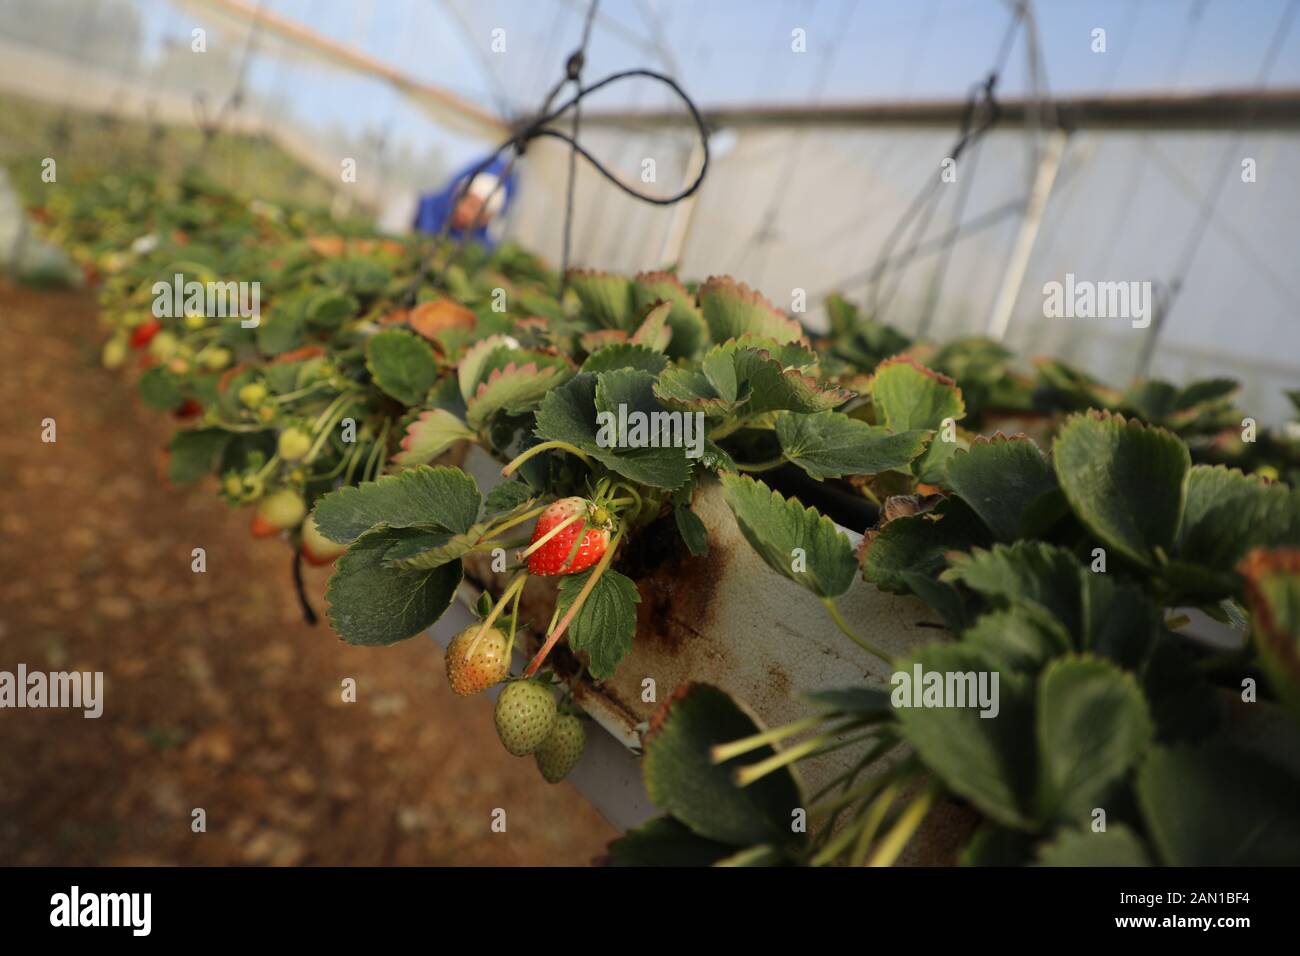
(732, 309)
(327, 308)
(160, 389)
(1035, 573)
(282, 330)
(479, 360)
(770, 386)
(570, 414)
(1114, 846)
(1218, 805)
(908, 396)
(513, 390)
(606, 623)
(917, 544)
(994, 845)
(507, 496)
(1126, 481)
(692, 529)
(690, 333)
(654, 332)
(829, 445)
(1228, 513)
(625, 355)
(402, 364)
(1093, 726)
(691, 390)
(988, 760)
(428, 436)
(606, 298)
(432, 549)
(423, 497)
(1020, 638)
(1001, 478)
(372, 605)
(795, 541)
(683, 781)
(664, 841)
(195, 453)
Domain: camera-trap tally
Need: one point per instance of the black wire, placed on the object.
(539, 128)
(308, 614)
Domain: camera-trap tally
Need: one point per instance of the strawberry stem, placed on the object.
(908, 823)
(509, 469)
(587, 588)
(506, 526)
(512, 589)
(757, 771)
(540, 542)
(761, 465)
(514, 621)
(724, 752)
(860, 641)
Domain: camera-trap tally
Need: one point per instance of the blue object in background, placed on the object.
(435, 208)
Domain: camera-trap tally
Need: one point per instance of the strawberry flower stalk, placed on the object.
(558, 630)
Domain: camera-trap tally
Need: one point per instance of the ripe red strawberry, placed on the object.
(524, 714)
(143, 333)
(476, 663)
(562, 749)
(188, 409)
(276, 512)
(553, 557)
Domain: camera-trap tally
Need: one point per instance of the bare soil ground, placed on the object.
(217, 695)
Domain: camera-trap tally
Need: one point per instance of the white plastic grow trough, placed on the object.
(729, 620)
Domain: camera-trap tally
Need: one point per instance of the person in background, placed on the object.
(486, 200)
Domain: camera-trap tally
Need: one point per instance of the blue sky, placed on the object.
(738, 51)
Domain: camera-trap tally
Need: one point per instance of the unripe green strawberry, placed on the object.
(476, 663)
(293, 444)
(252, 394)
(277, 511)
(215, 359)
(194, 321)
(163, 346)
(115, 352)
(524, 715)
(562, 749)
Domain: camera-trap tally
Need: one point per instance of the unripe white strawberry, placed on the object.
(317, 548)
(277, 511)
(476, 662)
(293, 444)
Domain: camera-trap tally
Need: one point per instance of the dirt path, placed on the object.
(217, 695)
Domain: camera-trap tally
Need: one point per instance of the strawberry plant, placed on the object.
(1067, 567)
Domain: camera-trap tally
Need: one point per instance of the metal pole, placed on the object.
(1018, 263)
(679, 226)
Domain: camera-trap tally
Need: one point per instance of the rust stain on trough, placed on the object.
(676, 587)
